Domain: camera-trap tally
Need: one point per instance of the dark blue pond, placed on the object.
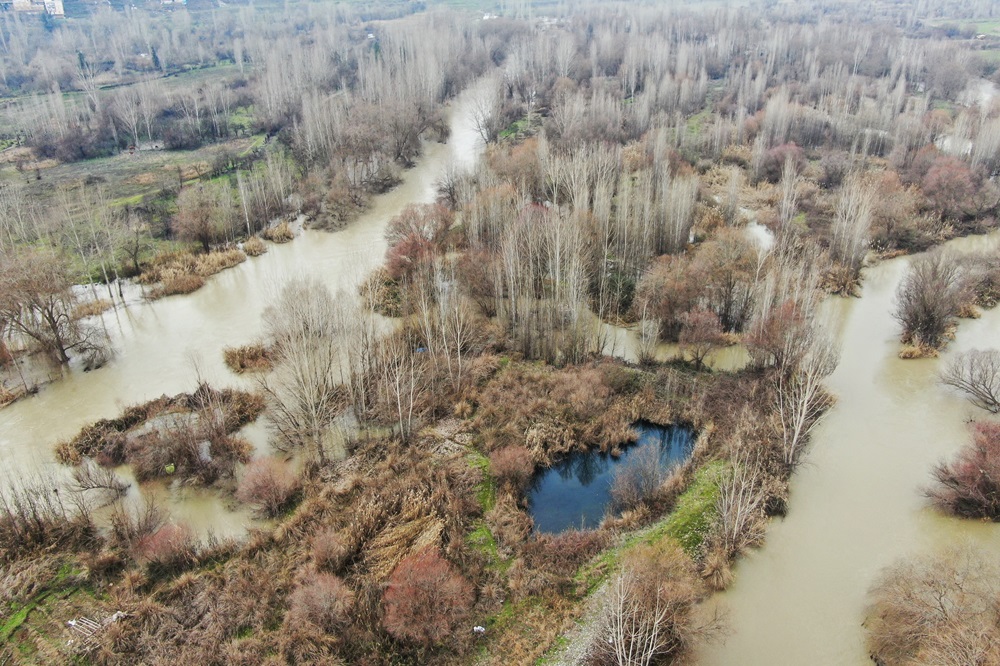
(576, 492)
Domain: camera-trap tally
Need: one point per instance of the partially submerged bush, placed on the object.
(279, 233)
(977, 373)
(637, 479)
(969, 486)
(177, 283)
(189, 434)
(929, 299)
(254, 246)
(218, 261)
(268, 486)
(185, 272)
(91, 308)
(938, 609)
(248, 358)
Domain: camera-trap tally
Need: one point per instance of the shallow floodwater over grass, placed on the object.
(576, 492)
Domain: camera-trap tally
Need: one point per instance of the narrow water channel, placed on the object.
(856, 504)
(164, 347)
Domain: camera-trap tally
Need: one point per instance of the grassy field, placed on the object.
(128, 177)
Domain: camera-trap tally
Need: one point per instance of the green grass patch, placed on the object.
(692, 518)
(481, 539)
(15, 621)
(696, 123)
(687, 524)
(516, 129)
(487, 491)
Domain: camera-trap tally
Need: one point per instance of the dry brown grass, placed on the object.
(969, 311)
(193, 433)
(255, 357)
(185, 272)
(254, 246)
(174, 284)
(917, 351)
(218, 261)
(279, 233)
(554, 411)
(91, 308)
(7, 396)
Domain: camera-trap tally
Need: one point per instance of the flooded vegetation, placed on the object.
(582, 334)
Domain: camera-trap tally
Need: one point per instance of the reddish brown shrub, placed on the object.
(426, 599)
(269, 486)
(774, 161)
(701, 332)
(512, 466)
(969, 486)
(168, 548)
(323, 600)
(404, 258)
(429, 222)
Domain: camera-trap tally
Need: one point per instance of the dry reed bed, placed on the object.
(254, 357)
(185, 272)
(279, 233)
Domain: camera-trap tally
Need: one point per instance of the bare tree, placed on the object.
(306, 389)
(852, 223)
(648, 608)
(399, 377)
(89, 476)
(800, 399)
(636, 631)
(929, 298)
(937, 609)
(977, 372)
(487, 110)
(741, 503)
(36, 301)
(204, 214)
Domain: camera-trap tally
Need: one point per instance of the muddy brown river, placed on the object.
(856, 504)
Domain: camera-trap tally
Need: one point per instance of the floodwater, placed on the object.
(856, 503)
(576, 492)
(165, 347)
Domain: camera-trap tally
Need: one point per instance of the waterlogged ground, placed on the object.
(168, 346)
